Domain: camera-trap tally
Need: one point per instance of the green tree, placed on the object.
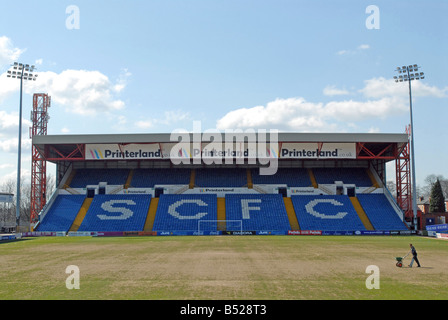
(437, 201)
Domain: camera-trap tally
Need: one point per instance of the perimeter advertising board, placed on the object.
(318, 150)
(123, 151)
(224, 151)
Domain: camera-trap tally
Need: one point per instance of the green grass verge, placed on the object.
(222, 267)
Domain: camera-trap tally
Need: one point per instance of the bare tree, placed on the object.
(429, 182)
(392, 187)
(8, 211)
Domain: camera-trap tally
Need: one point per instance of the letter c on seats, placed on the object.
(172, 209)
(310, 209)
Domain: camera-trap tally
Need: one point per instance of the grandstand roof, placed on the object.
(165, 138)
(73, 147)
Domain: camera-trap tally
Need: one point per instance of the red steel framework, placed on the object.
(39, 118)
(403, 181)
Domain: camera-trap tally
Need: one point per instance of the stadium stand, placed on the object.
(357, 176)
(380, 212)
(258, 212)
(221, 178)
(293, 177)
(85, 177)
(326, 213)
(116, 213)
(62, 213)
(148, 178)
(183, 212)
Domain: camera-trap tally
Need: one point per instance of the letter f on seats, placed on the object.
(246, 209)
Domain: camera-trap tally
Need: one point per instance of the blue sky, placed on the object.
(155, 66)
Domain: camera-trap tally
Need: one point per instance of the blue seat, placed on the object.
(148, 178)
(116, 213)
(357, 176)
(62, 213)
(218, 177)
(380, 212)
(293, 177)
(84, 177)
(182, 212)
(326, 213)
(264, 212)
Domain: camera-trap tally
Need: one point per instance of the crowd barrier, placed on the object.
(207, 233)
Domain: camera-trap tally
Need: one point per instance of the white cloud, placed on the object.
(382, 98)
(144, 124)
(79, 91)
(8, 53)
(170, 117)
(7, 86)
(122, 80)
(10, 145)
(282, 114)
(381, 87)
(350, 110)
(355, 51)
(9, 127)
(333, 91)
(295, 114)
(9, 123)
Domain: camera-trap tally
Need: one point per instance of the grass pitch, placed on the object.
(222, 268)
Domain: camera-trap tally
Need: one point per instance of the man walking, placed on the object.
(414, 256)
